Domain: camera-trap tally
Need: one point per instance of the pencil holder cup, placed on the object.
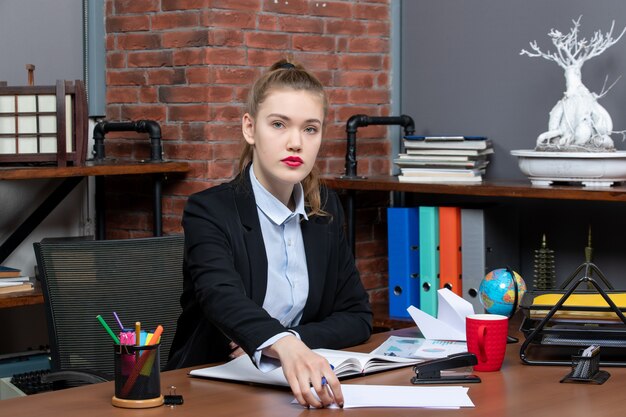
(137, 376)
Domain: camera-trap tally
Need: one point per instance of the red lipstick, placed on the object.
(292, 161)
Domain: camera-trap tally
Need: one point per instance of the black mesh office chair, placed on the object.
(139, 279)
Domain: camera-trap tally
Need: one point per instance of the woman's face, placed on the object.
(286, 137)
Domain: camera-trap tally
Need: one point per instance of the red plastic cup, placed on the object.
(486, 338)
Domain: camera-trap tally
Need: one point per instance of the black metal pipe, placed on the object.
(157, 221)
(153, 130)
(351, 220)
(150, 127)
(98, 141)
(362, 120)
(353, 124)
(100, 208)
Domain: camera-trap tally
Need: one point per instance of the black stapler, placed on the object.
(429, 372)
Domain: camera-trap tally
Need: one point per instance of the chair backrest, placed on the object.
(139, 279)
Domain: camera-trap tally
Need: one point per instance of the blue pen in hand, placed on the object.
(324, 382)
(330, 391)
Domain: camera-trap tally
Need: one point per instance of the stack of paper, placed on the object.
(15, 284)
(356, 396)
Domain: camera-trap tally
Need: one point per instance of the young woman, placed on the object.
(268, 271)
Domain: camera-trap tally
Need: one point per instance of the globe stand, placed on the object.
(511, 339)
(516, 296)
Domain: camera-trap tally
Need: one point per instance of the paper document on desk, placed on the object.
(359, 396)
(450, 321)
(418, 347)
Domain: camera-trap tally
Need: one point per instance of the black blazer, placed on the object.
(225, 279)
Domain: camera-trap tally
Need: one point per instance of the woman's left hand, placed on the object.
(235, 350)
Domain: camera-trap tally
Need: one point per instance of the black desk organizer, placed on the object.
(587, 369)
(549, 342)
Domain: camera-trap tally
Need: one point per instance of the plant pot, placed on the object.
(597, 169)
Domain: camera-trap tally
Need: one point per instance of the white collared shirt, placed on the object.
(287, 274)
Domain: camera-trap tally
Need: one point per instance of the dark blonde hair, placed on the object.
(286, 74)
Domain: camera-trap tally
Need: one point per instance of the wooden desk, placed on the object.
(517, 390)
(72, 176)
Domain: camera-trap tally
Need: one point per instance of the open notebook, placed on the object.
(345, 364)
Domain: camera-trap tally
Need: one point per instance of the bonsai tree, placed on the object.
(577, 121)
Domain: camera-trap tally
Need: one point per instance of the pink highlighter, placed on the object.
(127, 338)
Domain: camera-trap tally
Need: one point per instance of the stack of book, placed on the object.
(11, 280)
(444, 158)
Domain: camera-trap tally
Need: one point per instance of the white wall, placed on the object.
(48, 34)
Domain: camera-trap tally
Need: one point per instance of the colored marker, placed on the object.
(153, 339)
(108, 329)
(157, 335)
(119, 322)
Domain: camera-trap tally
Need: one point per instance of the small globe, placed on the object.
(497, 291)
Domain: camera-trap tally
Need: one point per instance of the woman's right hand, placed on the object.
(304, 368)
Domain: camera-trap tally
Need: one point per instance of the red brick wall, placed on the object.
(188, 63)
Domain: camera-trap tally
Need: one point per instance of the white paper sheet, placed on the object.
(358, 396)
